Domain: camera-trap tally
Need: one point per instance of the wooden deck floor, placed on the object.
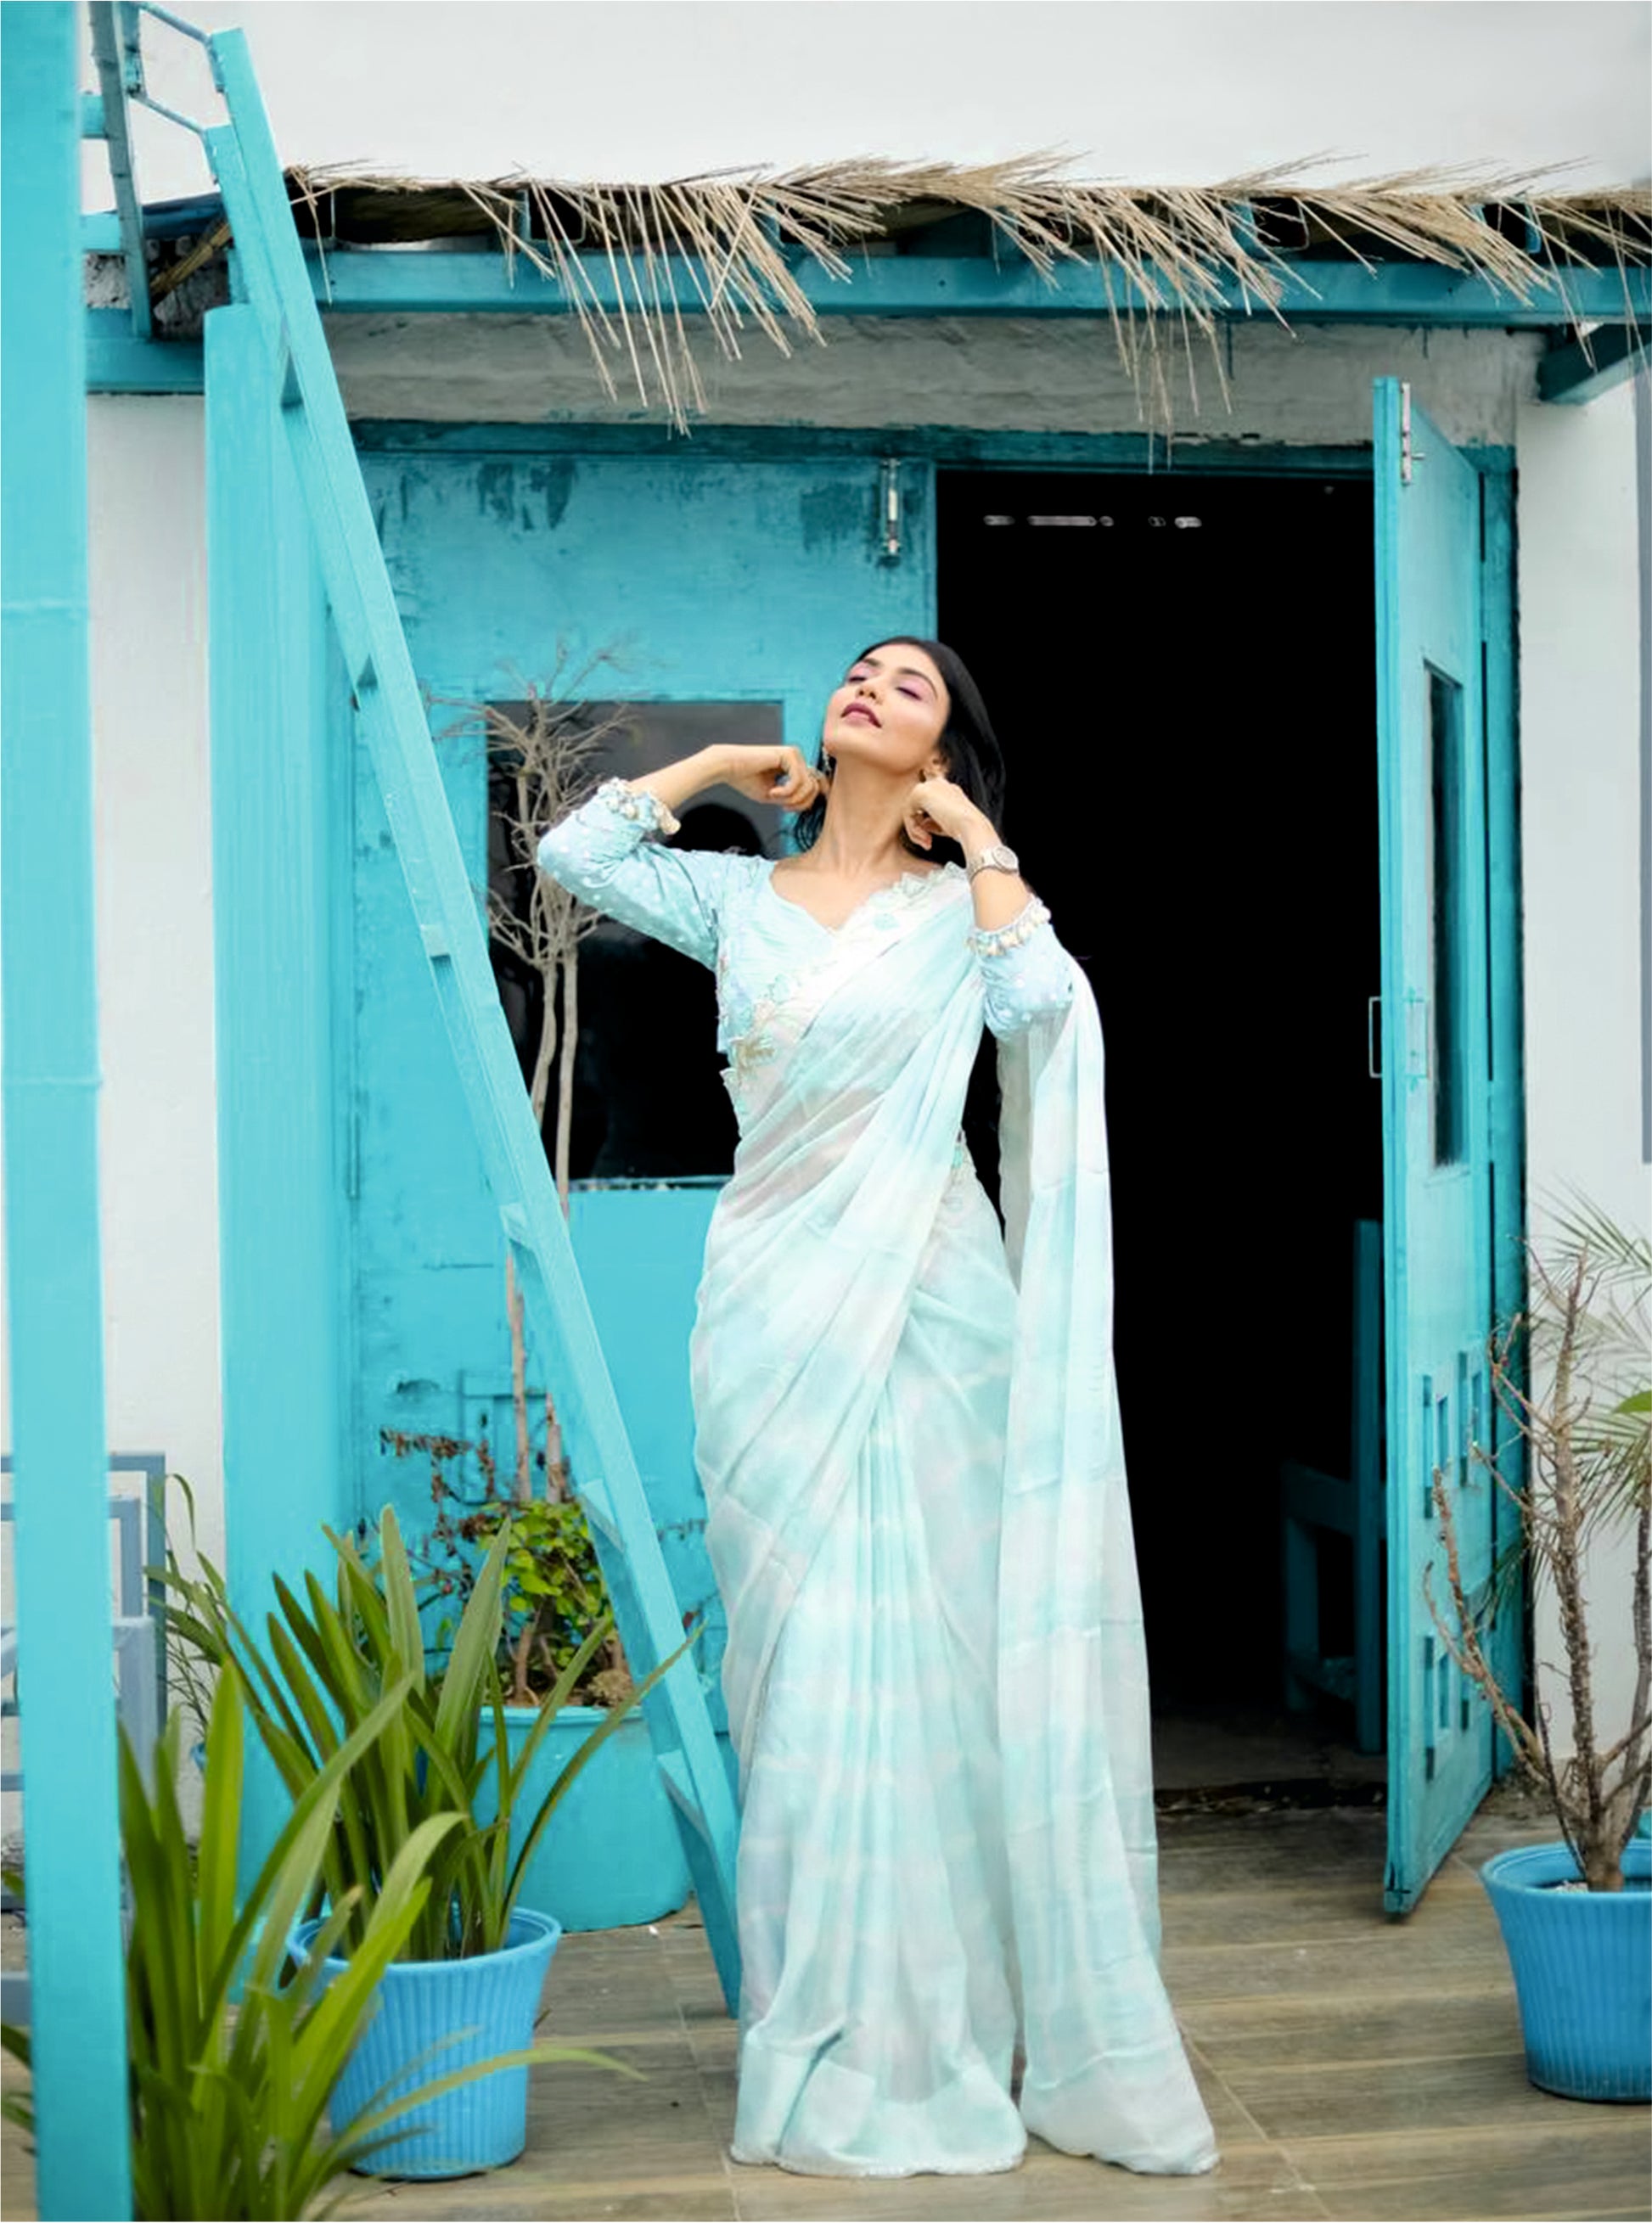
(1354, 2066)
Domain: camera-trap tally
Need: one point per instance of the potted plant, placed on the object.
(474, 1957)
(615, 1856)
(1571, 1375)
(231, 2072)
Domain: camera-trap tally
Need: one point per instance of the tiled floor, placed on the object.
(1354, 2066)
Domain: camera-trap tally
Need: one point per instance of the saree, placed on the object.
(907, 1432)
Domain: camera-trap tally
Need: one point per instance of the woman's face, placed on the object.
(890, 711)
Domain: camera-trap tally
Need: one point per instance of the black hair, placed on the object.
(975, 761)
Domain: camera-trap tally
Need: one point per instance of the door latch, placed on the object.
(889, 509)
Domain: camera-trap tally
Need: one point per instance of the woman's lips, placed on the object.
(859, 710)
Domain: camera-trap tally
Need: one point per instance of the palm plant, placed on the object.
(231, 2072)
(330, 1660)
(1571, 1374)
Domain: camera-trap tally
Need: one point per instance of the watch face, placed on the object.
(997, 857)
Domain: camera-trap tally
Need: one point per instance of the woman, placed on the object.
(908, 1437)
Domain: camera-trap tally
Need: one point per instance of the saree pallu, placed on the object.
(907, 1431)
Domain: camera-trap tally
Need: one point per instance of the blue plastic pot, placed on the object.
(611, 1854)
(1582, 1963)
(492, 2001)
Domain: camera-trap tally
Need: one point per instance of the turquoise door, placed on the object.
(1437, 1108)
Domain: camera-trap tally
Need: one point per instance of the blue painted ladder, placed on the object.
(387, 699)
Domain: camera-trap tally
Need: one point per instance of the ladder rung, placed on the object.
(365, 680)
(675, 1776)
(435, 939)
(286, 377)
(514, 1218)
(594, 1504)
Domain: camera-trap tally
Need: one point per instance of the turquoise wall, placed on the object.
(715, 580)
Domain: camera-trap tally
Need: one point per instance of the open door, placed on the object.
(1437, 1220)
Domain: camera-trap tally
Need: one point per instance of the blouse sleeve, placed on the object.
(1026, 973)
(605, 853)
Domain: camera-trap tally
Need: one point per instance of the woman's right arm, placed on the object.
(603, 852)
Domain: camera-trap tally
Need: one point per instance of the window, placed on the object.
(1446, 921)
(647, 1098)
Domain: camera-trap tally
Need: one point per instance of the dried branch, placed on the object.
(1585, 1339)
(543, 761)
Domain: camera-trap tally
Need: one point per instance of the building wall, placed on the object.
(1059, 374)
(157, 1136)
(1579, 719)
(1580, 723)
(155, 935)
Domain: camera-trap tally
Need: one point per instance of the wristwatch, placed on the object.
(996, 858)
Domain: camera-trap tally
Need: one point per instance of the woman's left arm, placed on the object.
(1025, 971)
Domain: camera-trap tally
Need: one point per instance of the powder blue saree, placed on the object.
(908, 1436)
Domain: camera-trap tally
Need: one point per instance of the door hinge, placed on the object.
(1409, 454)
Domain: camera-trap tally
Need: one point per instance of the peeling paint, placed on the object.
(835, 514)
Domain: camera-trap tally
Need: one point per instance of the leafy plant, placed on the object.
(554, 1590)
(1582, 1424)
(229, 2094)
(329, 1661)
(536, 768)
(553, 1593)
(189, 1678)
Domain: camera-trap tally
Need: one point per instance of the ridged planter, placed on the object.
(492, 1999)
(611, 1854)
(1582, 1963)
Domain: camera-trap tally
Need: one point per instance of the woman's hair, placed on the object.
(975, 761)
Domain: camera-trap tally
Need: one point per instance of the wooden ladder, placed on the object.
(275, 283)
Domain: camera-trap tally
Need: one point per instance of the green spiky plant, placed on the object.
(231, 2070)
(328, 1661)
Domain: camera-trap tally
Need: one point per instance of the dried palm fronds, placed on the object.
(727, 249)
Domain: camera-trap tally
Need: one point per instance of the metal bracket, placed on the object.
(889, 508)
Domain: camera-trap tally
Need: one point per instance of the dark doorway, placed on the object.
(1182, 670)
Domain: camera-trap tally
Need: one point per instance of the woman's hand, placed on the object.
(940, 806)
(779, 775)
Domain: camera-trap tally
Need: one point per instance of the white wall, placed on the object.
(157, 1133)
(1579, 724)
(1183, 92)
(157, 1137)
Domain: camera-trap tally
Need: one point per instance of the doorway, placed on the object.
(1181, 667)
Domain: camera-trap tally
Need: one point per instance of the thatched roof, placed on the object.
(742, 237)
